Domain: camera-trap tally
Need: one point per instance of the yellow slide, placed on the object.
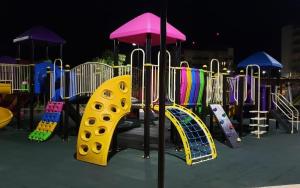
(5, 117)
(108, 104)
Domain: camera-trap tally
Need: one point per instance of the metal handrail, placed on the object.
(143, 69)
(289, 103)
(289, 113)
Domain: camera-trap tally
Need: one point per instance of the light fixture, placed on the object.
(133, 44)
(264, 72)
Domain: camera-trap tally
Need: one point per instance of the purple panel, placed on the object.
(263, 98)
(197, 86)
(183, 85)
(40, 33)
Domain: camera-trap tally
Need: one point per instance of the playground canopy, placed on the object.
(262, 59)
(136, 30)
(40, 33)
(7, 60)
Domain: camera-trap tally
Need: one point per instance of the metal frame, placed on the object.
(287, 108)
(15, 75)
(143, 70)
(214, 86)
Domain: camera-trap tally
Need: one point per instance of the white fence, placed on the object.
(16, 75)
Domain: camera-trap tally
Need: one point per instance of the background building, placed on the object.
(198, 58)
(290, 48)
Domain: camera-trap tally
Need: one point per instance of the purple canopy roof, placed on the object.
(40, 33)
(7, 60)
(136, 30)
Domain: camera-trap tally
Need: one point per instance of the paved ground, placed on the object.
(270, 161)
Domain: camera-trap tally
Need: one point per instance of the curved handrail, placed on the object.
(61, 77)
(143, 69)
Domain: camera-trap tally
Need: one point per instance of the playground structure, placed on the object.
(111, 92)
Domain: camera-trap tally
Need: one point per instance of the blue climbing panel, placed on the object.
(196, 137)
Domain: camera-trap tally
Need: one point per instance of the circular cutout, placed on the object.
(107, 94)
(114, 108)
(98, 106)
(83, 149)
(86, 135)
(90, 121)
(97, 147)
(123, 86)
(100, 131)
(124, 103)
(106, 118)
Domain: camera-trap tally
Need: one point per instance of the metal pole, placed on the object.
(241, 104)
(225, 94)
(147, 98)
(67, 102)
(32, 98)
(174, 135)
(19, 51)
(115, 73)
(163, 68)
(47, 52)
(116, 56)
(61, 51)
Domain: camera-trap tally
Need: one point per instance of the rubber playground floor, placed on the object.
(270, 161)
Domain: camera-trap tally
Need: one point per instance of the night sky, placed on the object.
(247, 26)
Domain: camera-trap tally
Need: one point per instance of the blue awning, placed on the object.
(262, 59)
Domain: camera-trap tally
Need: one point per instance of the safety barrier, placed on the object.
(287, 108)
(18, 76)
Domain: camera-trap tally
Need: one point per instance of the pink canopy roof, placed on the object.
(136, 30)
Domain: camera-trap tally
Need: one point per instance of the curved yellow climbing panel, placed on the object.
(196, 138)
(108, 104)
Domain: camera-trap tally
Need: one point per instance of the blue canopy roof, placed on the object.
(262, 59)
(40, 33)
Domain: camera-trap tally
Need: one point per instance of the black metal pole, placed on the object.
(147, 99)
(225, 94)
(163, 68)
(77, 112)
(115, 71)
(116, 56)
(203, 105)
(18, 111)
(32, 95)
(61, 51)
(19, 51)
(173, 134)
(47, 52)
(47, 92)
(67, 103)
(241, 105)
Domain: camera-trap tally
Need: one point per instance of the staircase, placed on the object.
(285, 112)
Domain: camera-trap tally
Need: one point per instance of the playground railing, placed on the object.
(286, 108)
(16, 75)
(154, 83)
(172, 84)
(122, 69)
(87, 77)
